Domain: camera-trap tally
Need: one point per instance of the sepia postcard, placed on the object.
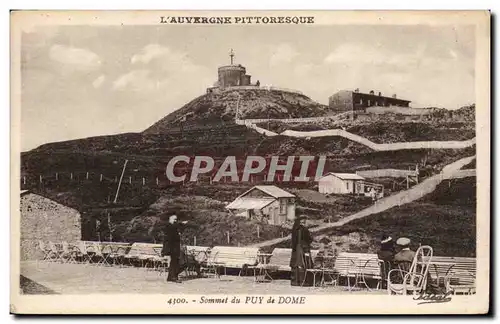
(250, 162)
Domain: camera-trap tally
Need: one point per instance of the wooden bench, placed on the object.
(279, 260)
(143, 252)
(231, 257)
(358, 266)
(458, 273)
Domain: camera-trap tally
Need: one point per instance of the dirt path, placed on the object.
(366, 142)
(384, 146)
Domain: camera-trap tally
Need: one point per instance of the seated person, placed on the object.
(320, 257)
(387, 249)
(405, 256)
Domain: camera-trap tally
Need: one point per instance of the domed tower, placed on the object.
(233, 75)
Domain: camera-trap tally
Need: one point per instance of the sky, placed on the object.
(82, 81)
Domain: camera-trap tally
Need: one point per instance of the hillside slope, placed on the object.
(444, 219)
(216, 107)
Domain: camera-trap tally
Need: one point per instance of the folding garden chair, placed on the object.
(68, 254)
(81, 252)
(103, 257)
(47, 251)
(55, 252)
(160, 262)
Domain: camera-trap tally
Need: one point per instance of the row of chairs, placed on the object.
(80, 252)
(216, 260)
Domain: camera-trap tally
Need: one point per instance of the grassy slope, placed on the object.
(445, 219)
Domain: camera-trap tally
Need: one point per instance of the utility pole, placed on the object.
(119, 184)
(110, 229)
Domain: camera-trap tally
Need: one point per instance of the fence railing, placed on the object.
(68, 178)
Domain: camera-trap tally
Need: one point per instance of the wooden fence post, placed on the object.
(24, 180)
(228, 239)
(100, 178)
(71, 176)
(41, 179)
(194, 240)
(258, 231)
(157, 182)
(87, 175)
(143, 181)
(57, 176)
(130, 179)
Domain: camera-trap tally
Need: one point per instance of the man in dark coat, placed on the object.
(172, 247)
(387, 249)
(386, 255)
(301, 253)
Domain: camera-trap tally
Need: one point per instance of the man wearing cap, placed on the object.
(405, 254)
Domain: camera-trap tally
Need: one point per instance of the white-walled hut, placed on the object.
(265, 202)
(339, 183)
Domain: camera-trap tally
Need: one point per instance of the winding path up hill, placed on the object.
(367, 142)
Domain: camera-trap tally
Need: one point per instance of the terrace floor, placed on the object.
(49, 278)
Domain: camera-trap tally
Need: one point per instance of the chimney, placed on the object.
(356, 90)
(379, 94)
(372, 92)
(394, 96)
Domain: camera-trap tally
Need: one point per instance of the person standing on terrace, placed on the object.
(301, 253)
(172, 247)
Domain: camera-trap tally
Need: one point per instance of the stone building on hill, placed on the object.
(347, 100)
(233, 75)
(46, 220)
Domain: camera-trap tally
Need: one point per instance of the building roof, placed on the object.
(250, 203)
(345, 176)
(274, 191)
(380, 96)
(368, 94)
